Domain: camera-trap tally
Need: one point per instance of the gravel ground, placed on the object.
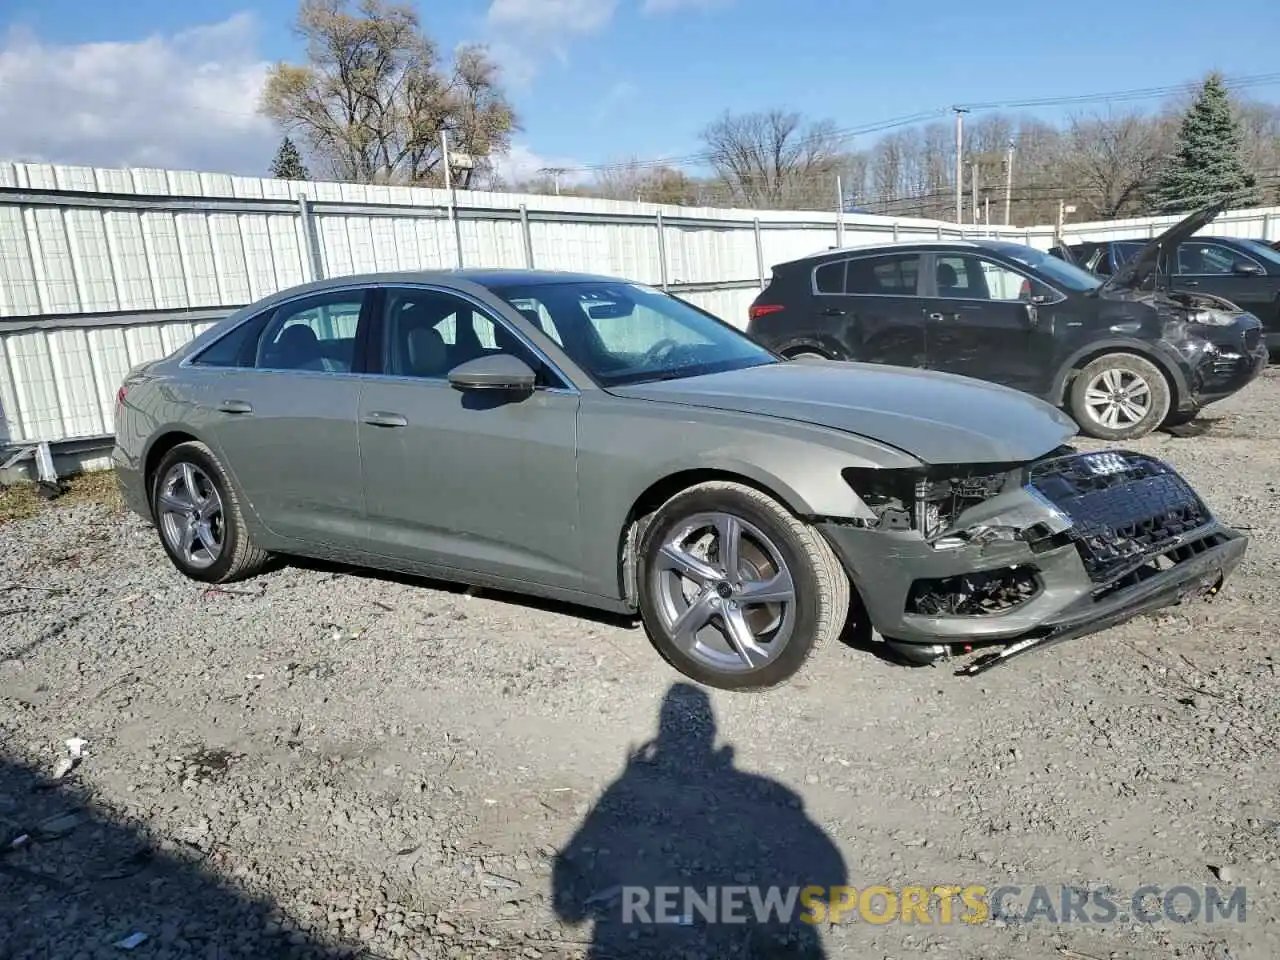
(321, 763)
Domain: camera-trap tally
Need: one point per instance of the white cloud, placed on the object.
(184, 101)
(522, 163)
(671, 6)
(524, 33)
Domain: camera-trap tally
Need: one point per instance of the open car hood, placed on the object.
(1138, 269)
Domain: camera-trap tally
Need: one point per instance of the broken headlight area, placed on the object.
(984, 594)
(1124, 507)
(933, 500)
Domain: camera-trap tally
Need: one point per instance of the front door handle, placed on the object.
(381, 419)
(834, 312)
(235, 406)
(1191, 283)
(939, 317)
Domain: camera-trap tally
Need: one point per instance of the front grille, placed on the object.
(1226, 365)
(1123, 507)
(1252, 338)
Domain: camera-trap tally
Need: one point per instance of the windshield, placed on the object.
(624, 333)
(1063, 274)
(1261, 250)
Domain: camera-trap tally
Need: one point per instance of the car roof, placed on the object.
(483, 276)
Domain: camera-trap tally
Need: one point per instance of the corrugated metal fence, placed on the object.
(102, 269)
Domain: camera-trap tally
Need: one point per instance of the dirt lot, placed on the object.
(322, 763)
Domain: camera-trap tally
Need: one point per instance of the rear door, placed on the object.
(1203, 266)
(283, 415)
(873, 300)
(982, 322)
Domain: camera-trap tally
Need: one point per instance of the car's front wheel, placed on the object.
(198, 515)
(1120, 396)
(735, 592)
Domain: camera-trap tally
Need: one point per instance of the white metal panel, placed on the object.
(164, 260)
(229, 266)
(35, 393)
(74, 382)
(198, 264)
(18, 293)
(51, 254)
(91, 261)
(127, 253)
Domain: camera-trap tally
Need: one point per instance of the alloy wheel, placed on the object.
(191, 515)
(724, 592)
(1118, 398)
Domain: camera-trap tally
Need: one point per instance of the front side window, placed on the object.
(318, 333)
(628, 333)
(968, 277)
(426, 333)
(1207, 259)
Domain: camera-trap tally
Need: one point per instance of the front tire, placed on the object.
(1120, 396)
(197, 514)
(735, 592)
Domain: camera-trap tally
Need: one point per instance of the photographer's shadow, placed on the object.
(732, 848)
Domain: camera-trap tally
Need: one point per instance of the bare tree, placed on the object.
(373, 97)
(774, 158)
(1111, 160)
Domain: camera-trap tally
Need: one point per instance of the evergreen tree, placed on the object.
(1208, 161)
(288, 163)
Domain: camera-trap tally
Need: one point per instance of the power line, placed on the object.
(842, 135)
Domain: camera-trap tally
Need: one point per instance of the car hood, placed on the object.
(936, 417)
(1138, 269)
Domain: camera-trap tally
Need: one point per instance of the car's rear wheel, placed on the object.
(1120, 396)
(735, 592)
(198, 516)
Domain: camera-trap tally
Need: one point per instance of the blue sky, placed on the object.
(600, 80)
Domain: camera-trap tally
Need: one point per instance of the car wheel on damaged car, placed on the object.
(1013, 315)
(597, 441)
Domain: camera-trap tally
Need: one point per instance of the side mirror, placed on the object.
(501, 371)
(1033, 315)
(1244, 269)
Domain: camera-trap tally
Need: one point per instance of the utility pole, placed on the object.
(960, 112)
(1008, 185)
(554, 173)
(839, 212)
(973, 186)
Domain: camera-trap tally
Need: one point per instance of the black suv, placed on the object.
(1243, 271)
(1124, 355)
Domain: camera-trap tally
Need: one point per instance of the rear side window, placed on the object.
(829, 278)
(236, 349)
(889, 275)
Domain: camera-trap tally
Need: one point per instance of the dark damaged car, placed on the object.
(596, 441)
(1124, 356)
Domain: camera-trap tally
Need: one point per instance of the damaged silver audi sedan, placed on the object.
(600, 442)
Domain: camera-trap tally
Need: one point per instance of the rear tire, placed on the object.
(198, 516)
(1120, 396)
(735, 592)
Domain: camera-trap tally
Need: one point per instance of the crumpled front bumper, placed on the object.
(1076, 594)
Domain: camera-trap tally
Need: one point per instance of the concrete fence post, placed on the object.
(311, 237)
(759, 252)
(528, 236)
(662, 249)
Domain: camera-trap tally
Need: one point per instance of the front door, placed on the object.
(284, 418)
(982, 323)
(1207, 267)
(460, 480)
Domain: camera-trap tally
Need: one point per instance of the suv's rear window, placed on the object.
(892, 274)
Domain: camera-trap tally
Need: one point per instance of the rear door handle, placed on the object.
(235, 406)
(939, 317)
(1191, 283)
(381, 419)
(834, 312)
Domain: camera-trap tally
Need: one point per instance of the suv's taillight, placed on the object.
(763, 309)
(120, 395)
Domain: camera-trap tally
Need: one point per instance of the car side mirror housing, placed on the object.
(1247, 269)
(500, 372)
